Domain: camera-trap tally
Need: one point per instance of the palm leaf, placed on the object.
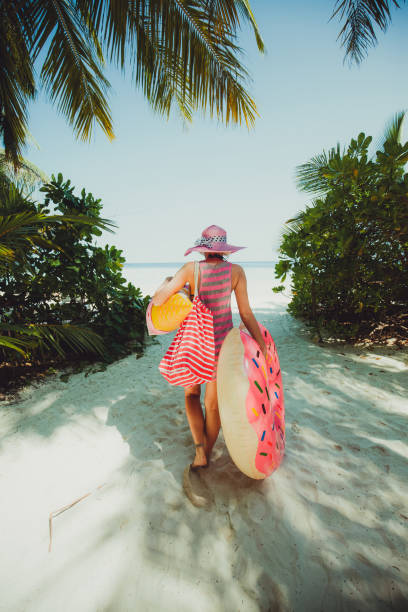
(12, 199)
(17, 86)
(6, 253)
(71, 72)
(51, 337)
(246, 11)
(13, 344)
(293, 226)
(26, 176)
(181, 51)
(21, 231)
(393, 129)
(393, 135)
(78, 339)
(312, 176)
(360, 18)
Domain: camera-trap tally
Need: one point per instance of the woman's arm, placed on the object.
(171, 285)
(245, 311)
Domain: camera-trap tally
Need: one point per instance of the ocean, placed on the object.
(260, 277)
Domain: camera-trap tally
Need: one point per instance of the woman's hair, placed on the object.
(216, 255)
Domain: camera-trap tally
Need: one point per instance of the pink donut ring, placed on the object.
(251, 403)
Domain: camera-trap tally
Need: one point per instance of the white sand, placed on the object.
(328, 531)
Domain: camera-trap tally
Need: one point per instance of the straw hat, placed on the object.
(213, 240)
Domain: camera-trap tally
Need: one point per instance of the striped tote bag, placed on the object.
(190, 358)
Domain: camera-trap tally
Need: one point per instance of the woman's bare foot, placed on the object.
(200, 459)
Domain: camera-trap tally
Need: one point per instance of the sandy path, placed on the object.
(328, 531)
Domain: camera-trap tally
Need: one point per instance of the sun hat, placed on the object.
(213, 240)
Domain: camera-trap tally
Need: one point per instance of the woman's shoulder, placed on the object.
(236, 269)
(189, 265)
(236, 273)
(188, 270)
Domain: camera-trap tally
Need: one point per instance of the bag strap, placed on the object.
(196, 269)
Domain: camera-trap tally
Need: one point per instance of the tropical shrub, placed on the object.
(74, 284)
(22, 229)
(348, 251)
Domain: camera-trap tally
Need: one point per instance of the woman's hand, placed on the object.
(245, 311)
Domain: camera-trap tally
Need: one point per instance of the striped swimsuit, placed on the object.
(215, 293)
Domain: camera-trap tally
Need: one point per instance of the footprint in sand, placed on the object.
(197, 490)
(256, 507)
(228, 531)
(295, 427)
(380, 449)
(177, 421)
(239, 567)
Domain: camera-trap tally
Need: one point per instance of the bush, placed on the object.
(77, 283)
(348, 252)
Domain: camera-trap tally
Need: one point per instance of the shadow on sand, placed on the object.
(326, 532)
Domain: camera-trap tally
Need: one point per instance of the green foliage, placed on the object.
(64, 283)
(278, 289)
(348, 252)
(360, 18)
(179, 52)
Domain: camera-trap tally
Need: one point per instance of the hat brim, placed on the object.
(218, 248)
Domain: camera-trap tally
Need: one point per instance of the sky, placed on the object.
(163, 182)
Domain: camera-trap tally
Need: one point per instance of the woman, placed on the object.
(217, 280)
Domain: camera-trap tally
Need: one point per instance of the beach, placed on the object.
(328, 531)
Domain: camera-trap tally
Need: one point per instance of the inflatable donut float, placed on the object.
(170, 315)
(251, 403)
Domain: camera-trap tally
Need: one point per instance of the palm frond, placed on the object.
(360, 18)
(17, 86)
(78, 339)
(213, 76)
(246, 11)
(13, 344)
(225, 17)
(21, 231)
(26, 176)
(51, 337)
(312, 176)
(393, 129)
(6, 254)
(293, 226)
(392, 138)
(26, 223)
(71, 72)
(181, 51)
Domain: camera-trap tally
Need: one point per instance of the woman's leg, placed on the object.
(212, 416)
(196, 421)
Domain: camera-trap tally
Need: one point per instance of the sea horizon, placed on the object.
(166, 264)
(149, 276)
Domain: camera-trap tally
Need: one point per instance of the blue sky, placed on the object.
(162, 182)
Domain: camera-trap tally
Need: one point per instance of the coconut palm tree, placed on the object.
(359, 18)
(180, 52)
